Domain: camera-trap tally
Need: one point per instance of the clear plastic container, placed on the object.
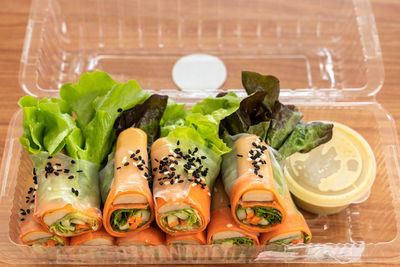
(325, 53)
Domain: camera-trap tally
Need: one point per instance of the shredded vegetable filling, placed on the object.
(260, 216)
(181, 220)
(235, 241)
(129, 219)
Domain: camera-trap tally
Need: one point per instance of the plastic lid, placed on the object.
(337, 173)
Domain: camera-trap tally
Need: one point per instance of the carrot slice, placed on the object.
(81, 226)
(134, 222)
(254, 220)
(51, 243)
(173, 224)
(183, 222)
(249, 215)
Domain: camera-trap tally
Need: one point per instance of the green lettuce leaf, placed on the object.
(284, 120)
(255, 82)
(47, 123)
(99, 134)
(81, 95)
(305, 137)
(174, 116)
(251, 111)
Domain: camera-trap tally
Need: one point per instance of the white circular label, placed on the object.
(199, 72)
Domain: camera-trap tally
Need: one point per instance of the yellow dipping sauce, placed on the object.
(334, 175)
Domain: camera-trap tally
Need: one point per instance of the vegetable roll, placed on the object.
(294, 229)
(223, 229)
(187, 239)
(150, 236)
(68, 196)
(129, 205)
(34, 234)
(186, 161)
(98, 238)
(180, 189)
(256, 204)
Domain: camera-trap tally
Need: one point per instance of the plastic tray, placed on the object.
(326, 54)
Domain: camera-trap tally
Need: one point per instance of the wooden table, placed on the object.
(14, 16)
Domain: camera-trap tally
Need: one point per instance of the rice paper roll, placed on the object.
(151, 236)
(68, 198)
(256, 203)
(294, 230)
(186, 162)
(129, 203)
(33, 233)
(98, 238)
(187, 239)
(223, 229)
(184, 171)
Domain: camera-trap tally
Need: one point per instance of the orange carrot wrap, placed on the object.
(150, 236)
(68, 198)
(129, 205)
(192, 239)
(223, 229)
(294, 229)
(33, 233)
(183, 172)
(256, 203)
(97, 238)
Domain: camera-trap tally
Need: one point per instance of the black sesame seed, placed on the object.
(156, 160)
(172, 169)
(56, 173)
(28, 211)
(126, 163)
(119, 110)
(154, 169)
(229, 205)
(203, 157)
(260, 176)
(21, 209)
(132, 156)
(22, 219)
(140, 168)
(71, 177)
(23, 213)
(190, 180)
(137, 151)
(34, 171)
(119, 167)
(190, 151)
(135, 159)
(161, 183)
(172, 181)
(73, 161)
(27, 201)
(177, 143)
(79, 171)
(33, 200)
(58, 164)
(180, 181)
(50, 157)
(76, 193)
(240, 156)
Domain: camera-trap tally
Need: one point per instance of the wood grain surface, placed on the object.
(13, 20)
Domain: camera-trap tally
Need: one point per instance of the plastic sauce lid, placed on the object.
(337, 173)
